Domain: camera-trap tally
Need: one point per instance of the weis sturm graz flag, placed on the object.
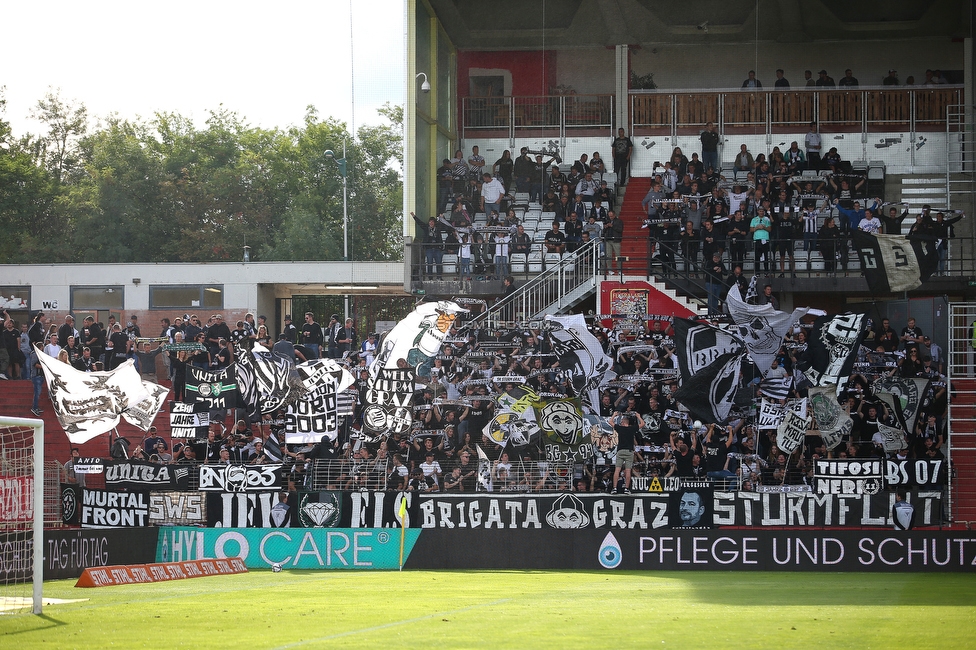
(388, 398)
(315, 414)
(90, 403)
(215, 388)
(833, 347)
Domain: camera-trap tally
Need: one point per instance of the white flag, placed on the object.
(761, 327)
(90, 403)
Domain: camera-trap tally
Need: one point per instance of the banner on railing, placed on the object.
(140, 475)
(813, 509)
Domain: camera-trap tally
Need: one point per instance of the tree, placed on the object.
(67, 124)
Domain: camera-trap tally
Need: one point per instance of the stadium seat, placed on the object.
(450, 264)
(517, 261)
(552, 260)
(535, 262)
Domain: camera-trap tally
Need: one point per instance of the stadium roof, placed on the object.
(523, 24)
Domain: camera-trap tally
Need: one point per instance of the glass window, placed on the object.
(14, 298)
(92, 298)
(186, 296)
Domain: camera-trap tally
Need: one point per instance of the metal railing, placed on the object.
(961, 421)
(559, 113)
(554, 289)
(859, 109)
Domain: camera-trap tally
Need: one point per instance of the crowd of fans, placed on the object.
(450, 447)
(760, 212)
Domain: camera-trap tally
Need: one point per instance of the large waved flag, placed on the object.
(761, 327)
(580, 355)
(833, 421)
(262, 380)
(710, 393)
(315, 413)
(89, 404)
(892, 263)
(417, 339)
(832, 348)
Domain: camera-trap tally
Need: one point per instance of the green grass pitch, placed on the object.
(510, 609)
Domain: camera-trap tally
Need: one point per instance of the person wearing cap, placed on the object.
(289, 330)
(431, 468)
(332, 332)
(219, 330)
(891, 79)
(824, 81)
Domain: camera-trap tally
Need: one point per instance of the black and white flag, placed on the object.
(761, 328)
(709, 394)
(262, 379)
(698, 345)
(315, 414)
(908, 394)
(215, 388)
(832, 348)
(88, 404)
(776, 388)
(891, 263)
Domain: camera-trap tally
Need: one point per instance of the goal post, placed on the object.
(21, 512)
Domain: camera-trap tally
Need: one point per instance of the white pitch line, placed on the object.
(388, 625)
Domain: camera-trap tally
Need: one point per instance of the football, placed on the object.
(276, 567)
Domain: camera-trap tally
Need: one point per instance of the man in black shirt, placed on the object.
(555, 240)
(312, 335)
(290, 331)
(626, 433)
(622, 147)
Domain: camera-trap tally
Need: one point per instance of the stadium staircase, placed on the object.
(634, 244)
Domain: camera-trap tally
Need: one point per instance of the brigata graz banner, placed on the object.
(293, 548)
(689, 550)
(561, 511)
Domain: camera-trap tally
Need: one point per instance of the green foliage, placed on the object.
(165, 190)
(642, 82)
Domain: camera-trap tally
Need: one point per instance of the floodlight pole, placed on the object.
(341, 162)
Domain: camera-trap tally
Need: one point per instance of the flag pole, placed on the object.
(403, 525)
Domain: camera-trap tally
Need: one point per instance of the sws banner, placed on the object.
(293, 548)
(69, 552)
(690, 550)
(177, 509)
(140, 475)
(799, 509)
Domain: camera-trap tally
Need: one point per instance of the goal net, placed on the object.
(21, 514)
